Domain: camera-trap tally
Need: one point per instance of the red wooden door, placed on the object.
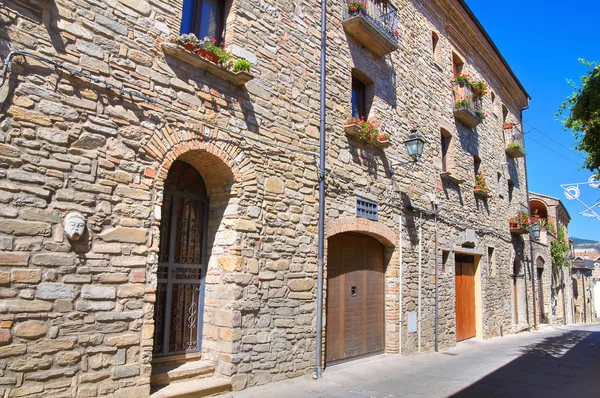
(465, 297)
(355, 297)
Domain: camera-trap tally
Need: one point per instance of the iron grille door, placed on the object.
(181, 269)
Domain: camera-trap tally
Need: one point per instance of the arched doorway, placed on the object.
(539, 262)
(182, 260)
(520, 302)
(355, 297)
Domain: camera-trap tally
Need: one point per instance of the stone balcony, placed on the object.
(467, 105)
(514, 141)
(375, 27)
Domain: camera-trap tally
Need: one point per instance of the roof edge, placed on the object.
(463, 3)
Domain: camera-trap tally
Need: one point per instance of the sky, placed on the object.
(542, 42)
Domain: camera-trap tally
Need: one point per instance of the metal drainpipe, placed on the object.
(400, 285)
(321, 246)
(531, 254)
(419, 282)
(436, 284)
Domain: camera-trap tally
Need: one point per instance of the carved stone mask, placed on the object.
(74, 225)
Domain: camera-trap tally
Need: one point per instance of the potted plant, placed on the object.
(462, 103)
(189, 41)
(463, 79)
(480, 185)
(383, 138)
(520, 221)
(514, 145)
(241, 65)
(480, 88)
(356, 6)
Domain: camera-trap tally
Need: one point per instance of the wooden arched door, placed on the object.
(355, 297)
(182, 260)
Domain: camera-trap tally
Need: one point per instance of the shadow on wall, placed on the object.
(558, 366)
(30, 15)
(381, 72)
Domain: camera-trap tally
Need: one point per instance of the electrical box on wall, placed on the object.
(412, 322)
(470, 238)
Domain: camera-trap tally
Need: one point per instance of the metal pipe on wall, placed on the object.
(321, 228)
(419, 282)
(400, 284)
(435, 250)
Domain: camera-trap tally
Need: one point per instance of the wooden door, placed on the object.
(465, 297)
(355, 297)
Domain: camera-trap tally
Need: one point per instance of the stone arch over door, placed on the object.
(218, 162)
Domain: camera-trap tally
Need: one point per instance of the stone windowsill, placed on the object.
(181, 54)
(448, 176)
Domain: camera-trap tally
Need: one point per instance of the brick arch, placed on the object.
(374, 229)
(204, 148)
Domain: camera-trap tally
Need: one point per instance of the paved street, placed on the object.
(554, 362)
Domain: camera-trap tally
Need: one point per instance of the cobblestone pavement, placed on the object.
(553, 362)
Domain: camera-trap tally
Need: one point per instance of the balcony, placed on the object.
(375, 26)
(515, 144)
(467, 105)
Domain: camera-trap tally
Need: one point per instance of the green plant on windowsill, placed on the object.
(241, 65)
(480, 184)
(369, 130)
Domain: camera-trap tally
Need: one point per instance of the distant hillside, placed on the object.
(586, 244)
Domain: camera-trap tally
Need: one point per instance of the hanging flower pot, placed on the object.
(508, 125)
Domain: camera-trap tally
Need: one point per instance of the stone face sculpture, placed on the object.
(74, 225)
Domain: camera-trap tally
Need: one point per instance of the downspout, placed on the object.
(531, 254)
(562, 286)
(435, 250)
(419, 326)
(400, 285)
(321, 245)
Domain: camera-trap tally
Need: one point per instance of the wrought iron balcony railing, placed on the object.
(514, 141)
(373, 24)
(467, 104)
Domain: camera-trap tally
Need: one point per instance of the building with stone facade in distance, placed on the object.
(198, 189)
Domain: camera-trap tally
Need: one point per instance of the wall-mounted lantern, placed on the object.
(535, 231)
(414, 144)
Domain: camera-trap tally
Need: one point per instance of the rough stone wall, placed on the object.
(76, 319)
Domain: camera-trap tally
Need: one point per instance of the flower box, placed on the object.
(354, 129)
(212, 57)
(519, 229)
(181, 54)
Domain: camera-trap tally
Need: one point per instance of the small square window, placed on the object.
(367, 209)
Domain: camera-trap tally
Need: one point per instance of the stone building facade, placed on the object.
(197, 270)
(554, 287)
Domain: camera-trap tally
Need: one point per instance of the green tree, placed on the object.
(559, 249)
(581, 114)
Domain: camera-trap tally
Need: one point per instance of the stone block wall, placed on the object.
(76, 318)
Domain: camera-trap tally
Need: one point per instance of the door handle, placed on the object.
(353, 291)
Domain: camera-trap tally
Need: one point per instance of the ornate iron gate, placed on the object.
(182, 263)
